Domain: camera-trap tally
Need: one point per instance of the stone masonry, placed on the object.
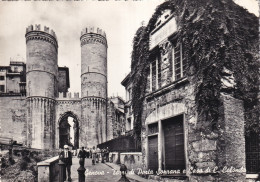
(93, 85)
(35, 120)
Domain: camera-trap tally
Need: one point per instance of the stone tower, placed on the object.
(41, 76)
(93, 86)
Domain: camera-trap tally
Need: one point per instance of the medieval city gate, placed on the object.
(69, 130)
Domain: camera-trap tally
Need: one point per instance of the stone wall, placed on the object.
(93, 117)
(220, 154)
(115, 121)
(13, 115)
(48, 170)
(111, 117)
(211, 155)
(93, 86)
(42, 87)
(132, 160)
(231, 141)
(12, 84)
(64, 106)
(114, 157)
(62, 81)
(171, 101)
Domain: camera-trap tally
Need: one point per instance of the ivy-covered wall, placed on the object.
(220, 42)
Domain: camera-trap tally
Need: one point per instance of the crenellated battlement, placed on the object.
(36, 33)
(37, 27)
(93, 35)
(69, 95)
(95, 30)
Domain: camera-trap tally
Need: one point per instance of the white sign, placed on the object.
(162, 33)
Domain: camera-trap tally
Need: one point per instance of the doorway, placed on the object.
(174, 143)
(153, 153)
(69, 130)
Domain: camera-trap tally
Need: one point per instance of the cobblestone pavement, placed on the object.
(95, 173)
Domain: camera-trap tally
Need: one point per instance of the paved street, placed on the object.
(96, 173)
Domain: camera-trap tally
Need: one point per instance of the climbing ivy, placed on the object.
(220, 41)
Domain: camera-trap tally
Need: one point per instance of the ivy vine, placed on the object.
(220, 40)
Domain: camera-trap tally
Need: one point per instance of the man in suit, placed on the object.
(66, 157)
(82, 154)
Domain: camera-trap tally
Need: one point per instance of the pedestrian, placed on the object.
(74, 150)
(82, 155)
(107, 154)
(66, 157)
(90, 153)
(87, 153)
(98, 154)
(102, 155)
(123, 170)
(93, 155)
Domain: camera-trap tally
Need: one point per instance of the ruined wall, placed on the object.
(93, 86)
(13, 115)
(41, 76)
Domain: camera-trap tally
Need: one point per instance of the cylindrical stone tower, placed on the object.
(93, 87)
(41, 78)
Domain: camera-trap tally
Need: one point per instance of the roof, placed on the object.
(4, 67)
(126, 80)
(17, 63)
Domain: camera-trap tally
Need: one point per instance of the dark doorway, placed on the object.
(252, 153)
(153, 152)
(174, 143)
(69, 130)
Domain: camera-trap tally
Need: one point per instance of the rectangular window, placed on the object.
(2, 88)
(2, 78)
(159, 73)
(153, 129)
(148, 88)
(166, 68)
(154, 76)
(130, 94)
(179, 63)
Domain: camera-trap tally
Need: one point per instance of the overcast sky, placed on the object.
(119, 19)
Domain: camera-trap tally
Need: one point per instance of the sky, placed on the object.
(119, 19)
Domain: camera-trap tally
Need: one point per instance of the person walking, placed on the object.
(82, 155)
(87, 153)
(66, 157)
(107, 154)
(103, 155)
(98, 154)
(90, 153)
(93, 155)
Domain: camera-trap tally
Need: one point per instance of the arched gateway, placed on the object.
(69, 130)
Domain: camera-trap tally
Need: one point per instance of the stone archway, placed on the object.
(69, 130)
